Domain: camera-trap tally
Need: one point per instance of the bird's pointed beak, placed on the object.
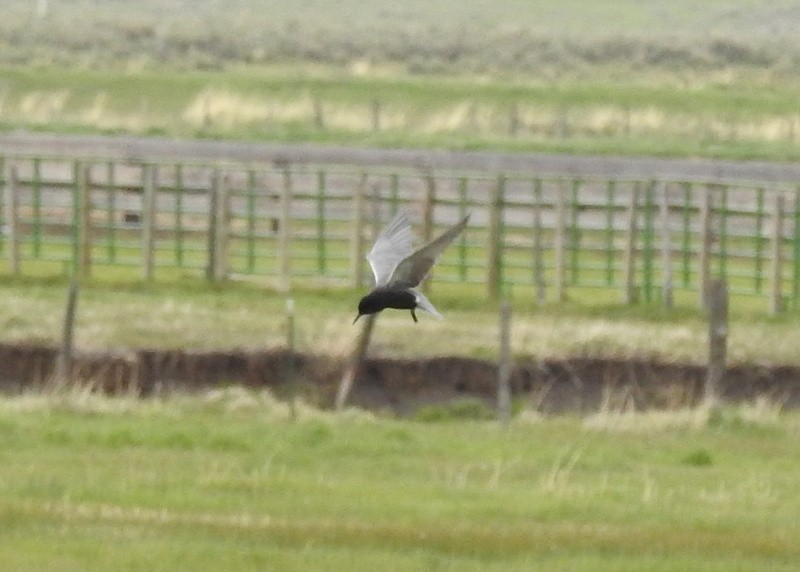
(357, 317)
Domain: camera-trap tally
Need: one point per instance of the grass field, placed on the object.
(619, 77)
(307, 103)
(192, 314)
(226, 480)
(509, 35)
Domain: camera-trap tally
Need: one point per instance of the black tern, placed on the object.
(399, 269)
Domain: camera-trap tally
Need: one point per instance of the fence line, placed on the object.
(123, 148)
(648, 239)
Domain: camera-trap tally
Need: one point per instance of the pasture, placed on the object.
(227, 480)
(512, 36)
(310, 104)
(235, 478)
(115, 312)
(620, 77)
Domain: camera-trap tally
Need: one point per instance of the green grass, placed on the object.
(594, 115)
(226, 480)
(187, 313)
(485, 37)
(621, 77)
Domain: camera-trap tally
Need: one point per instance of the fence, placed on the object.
(645, 238)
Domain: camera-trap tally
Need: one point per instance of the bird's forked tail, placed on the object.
(424, 304)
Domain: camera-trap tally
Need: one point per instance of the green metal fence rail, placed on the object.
(295, 222)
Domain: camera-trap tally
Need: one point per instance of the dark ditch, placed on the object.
(576, 384)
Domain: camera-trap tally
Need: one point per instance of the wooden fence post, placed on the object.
(63, 364)
(494, 264)
(707, 239)
(36, 199)
(427, 221)
(356, 359)
(84, 220)
(285, 231)
(150, 178)
(717, 301)
(776, 299)
(290, 365)
(630, 247)
(561, 243)
(222, 223)
(12, 219)
(111, 212)
(356, 237)
(211, 250)
(666, 249)
(538, 255)
(504, 365)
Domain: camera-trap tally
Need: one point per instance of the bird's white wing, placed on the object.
(394, 243)
(410, 271)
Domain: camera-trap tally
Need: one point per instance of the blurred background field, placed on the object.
(236, 478)
(615, 77)
(438, 36)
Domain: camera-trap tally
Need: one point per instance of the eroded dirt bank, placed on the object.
(577, 384)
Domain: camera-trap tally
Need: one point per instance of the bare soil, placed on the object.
(401, 386)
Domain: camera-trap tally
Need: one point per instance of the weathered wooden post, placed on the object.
(357, 232)
(356, 359)
(290, 373)
(717, 303)
(504, 365)
(666, 249)
(428, 206)
(707, 238)
(538, 254)
(561, 243)
(150, 178)
(776, 299)
(494, 263)
(631, 290)
(222, 227)
(84, 220)
(211, 249)
(11, 201)
(285, 231)
(63, 365)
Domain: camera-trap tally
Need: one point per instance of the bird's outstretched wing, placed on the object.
(410, 271)
(394, 243)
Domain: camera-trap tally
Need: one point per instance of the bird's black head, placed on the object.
(370, 304)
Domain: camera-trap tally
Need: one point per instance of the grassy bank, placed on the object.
(185, 314)
(227, 480)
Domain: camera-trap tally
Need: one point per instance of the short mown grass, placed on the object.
(228, 480)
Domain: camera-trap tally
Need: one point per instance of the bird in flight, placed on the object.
(399, 269)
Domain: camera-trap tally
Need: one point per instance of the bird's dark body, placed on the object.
(382, 298)
(399, 269)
